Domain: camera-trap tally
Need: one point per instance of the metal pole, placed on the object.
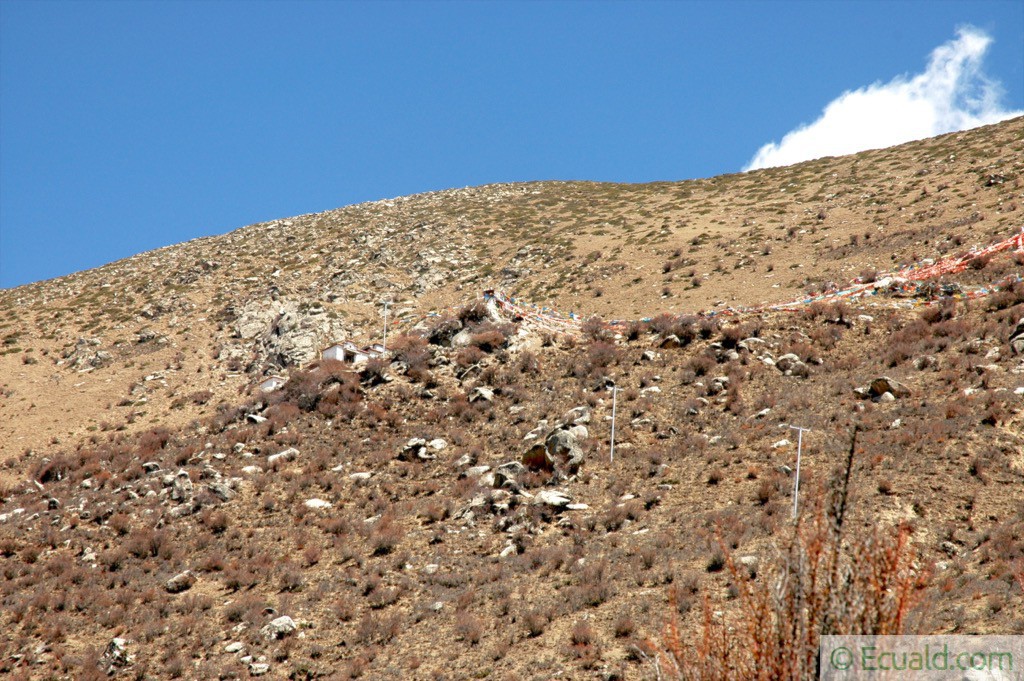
(799, 452)
(615, 395)
(385, 343)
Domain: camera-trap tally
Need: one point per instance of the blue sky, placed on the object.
(126, 126)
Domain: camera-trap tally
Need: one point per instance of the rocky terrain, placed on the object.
(453, 510)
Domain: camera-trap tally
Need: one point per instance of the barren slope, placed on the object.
(143, 450)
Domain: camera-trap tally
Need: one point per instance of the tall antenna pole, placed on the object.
(385, 343)
(615, 395)
(799, 451)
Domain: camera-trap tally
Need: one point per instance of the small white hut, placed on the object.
(336, 351)
(272, 383)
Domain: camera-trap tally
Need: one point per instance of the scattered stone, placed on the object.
(579, 432)
(317, 504)
(444, 331)
(884, 384)
(259, 668)
(476, 471)
(182, 487)
(116, 656)
(781, 443)
(235, 647)
(564, 450)
(416, 450)
(879, 387)
(360, 477)
(221, 491)
(507, 474)
(749, 344)
(576, 416)
(791, 365)
(718, 385)
(287, 332)
(286, 455)
(786, 362)
(552, 498)
(649, 356)
(278, 628)
(798, 369)
(669, 342)
(481, 393)
(437, 444)
(180, 582)
(925, 362)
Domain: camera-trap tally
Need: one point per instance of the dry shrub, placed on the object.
(683, 327)
(469, 627)
(373, 371)
(623, 626)
(146, 542)
(701, 364)
(635, 329)
(386, 535)
(489, 338)
(594, 329)
(825, 582)
(468, 356)
(708, 327)
(602, 354)
(414, 351)
(536, 621)
(474, 313)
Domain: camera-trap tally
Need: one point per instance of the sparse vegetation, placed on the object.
(389, 504)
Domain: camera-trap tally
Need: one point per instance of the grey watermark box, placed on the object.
(922, 658)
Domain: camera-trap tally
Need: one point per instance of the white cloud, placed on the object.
(952, 94)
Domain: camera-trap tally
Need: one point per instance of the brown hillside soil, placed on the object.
(144, 450)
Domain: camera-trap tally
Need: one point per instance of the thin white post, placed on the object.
(799, 452)
(615, 395)
(385, 343)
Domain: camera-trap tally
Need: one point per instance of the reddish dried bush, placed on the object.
(594, 329)
(489, 338)
(473, 313)
(602, 354)
(153, 441)
(414, 351)
(826, 581)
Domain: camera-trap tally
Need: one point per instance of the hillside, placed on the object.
(136, 447)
